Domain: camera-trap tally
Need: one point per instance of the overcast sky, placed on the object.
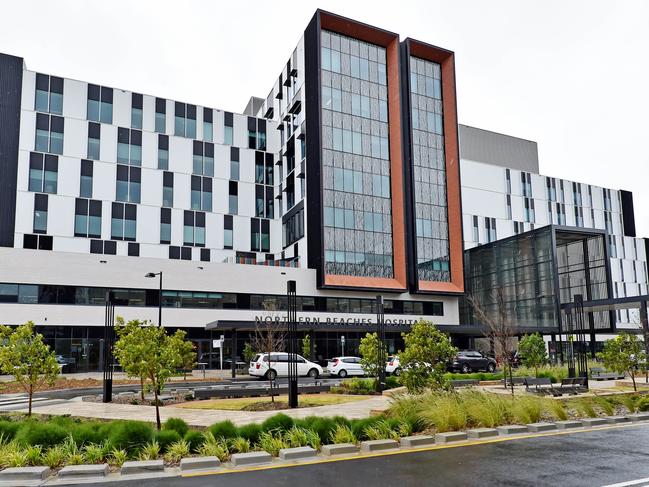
(571, 75)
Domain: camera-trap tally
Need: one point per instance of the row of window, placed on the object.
(54, 294)
(359, 258)
(350, 141)
(351, 181)
(338, 100)
(350, 219)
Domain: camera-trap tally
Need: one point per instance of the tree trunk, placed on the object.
(31, 393)
(157, 406)
(635, 389)
(511, 376)
(142, 388)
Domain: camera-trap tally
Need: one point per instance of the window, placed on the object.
(233, 198)
(256, 133)
(194, 228)
(40, 213)
(129, 147)
(203, 160)
(208, 125)
(228, 124)
(85, 186)
(49, 94)
(201, 197)
(550, 212)
(509, 207)
(526, 183)
(49, 133)
(123, 221)
(87, 218)
(128, 184)
(227, 231)
(259, 200)
(185, 120)
(136, 111)
(270, 169)
(43, 172)
(260, 170)
(163, 152)
(184, 253)
(561, 214)
(476, 230)
(94, 134)
(529, 210)
(293, 228)
(234, 163)
(100, 104)
(508, 180)
(205, 255)
(165, 226)
(255, 236)
(160, 115)
(490, 227)
(103, 247)
(40, 242)
(168, 189)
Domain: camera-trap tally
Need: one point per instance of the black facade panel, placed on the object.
(408, 184)
(313, 147)
(628, 215)
(11, 80)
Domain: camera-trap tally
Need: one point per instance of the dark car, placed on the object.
(472, 361)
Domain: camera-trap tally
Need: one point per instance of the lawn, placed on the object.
(248, 403)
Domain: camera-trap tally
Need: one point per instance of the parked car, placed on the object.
(344, 366)
(392, 367)
(472, 361)
(278, 366)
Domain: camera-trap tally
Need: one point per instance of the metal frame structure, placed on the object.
(109, 339)
(291, 323)
(380, 332)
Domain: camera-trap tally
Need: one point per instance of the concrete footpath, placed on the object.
(203, 417)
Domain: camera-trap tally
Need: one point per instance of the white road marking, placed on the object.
(630, 482)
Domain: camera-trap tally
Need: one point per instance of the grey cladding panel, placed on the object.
(498, 149)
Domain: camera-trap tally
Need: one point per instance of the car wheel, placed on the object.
(271, 375)
(397, 372)
(491, 367)
(313, 373)
(342, 374)
(466, 369)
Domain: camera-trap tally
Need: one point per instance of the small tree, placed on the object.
(24, 355)
(369, 348)
(532, 350)
(269, 338)
(426, 353)
(187, 352)
(306, 347)
(130, 357)
(248, 352)
(624, 354)
(498, 328)
(149, 351)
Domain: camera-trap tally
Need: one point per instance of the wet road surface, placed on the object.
(592, 458)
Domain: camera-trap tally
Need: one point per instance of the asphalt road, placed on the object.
(594, 458)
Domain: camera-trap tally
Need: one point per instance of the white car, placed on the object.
(278, 366)
(344, 366)
(392, 367)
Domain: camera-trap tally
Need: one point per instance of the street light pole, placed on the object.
(150, 275)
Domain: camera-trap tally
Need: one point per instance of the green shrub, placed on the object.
(176, 451)
(33, 455)
(86, 433)
(130, 435)
(342, 420)
(239, 445)
(323, 428)
(342, 434)
(63, 421)
(296, 437)
(382, 430)
(177, 425)
(213, 447)
(585, 406)
(360, 425)
(280, 422)
(446, 412)
(487, 410)
(272, 441)
(643, 403)
(606, 405)
(250, 432)
(223, 429)
(195, 439)
(150, 451)
(54, 457)
(392, 382)
(165, 438)
(93, 453)
(527, 409)
(557, 409)
(8, 429)
(45, 434)
(117, 457)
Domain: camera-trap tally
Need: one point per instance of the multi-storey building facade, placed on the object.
(345, 178)
(503, 194)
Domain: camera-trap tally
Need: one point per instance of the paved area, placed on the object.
(617, 455)
(201, 417)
